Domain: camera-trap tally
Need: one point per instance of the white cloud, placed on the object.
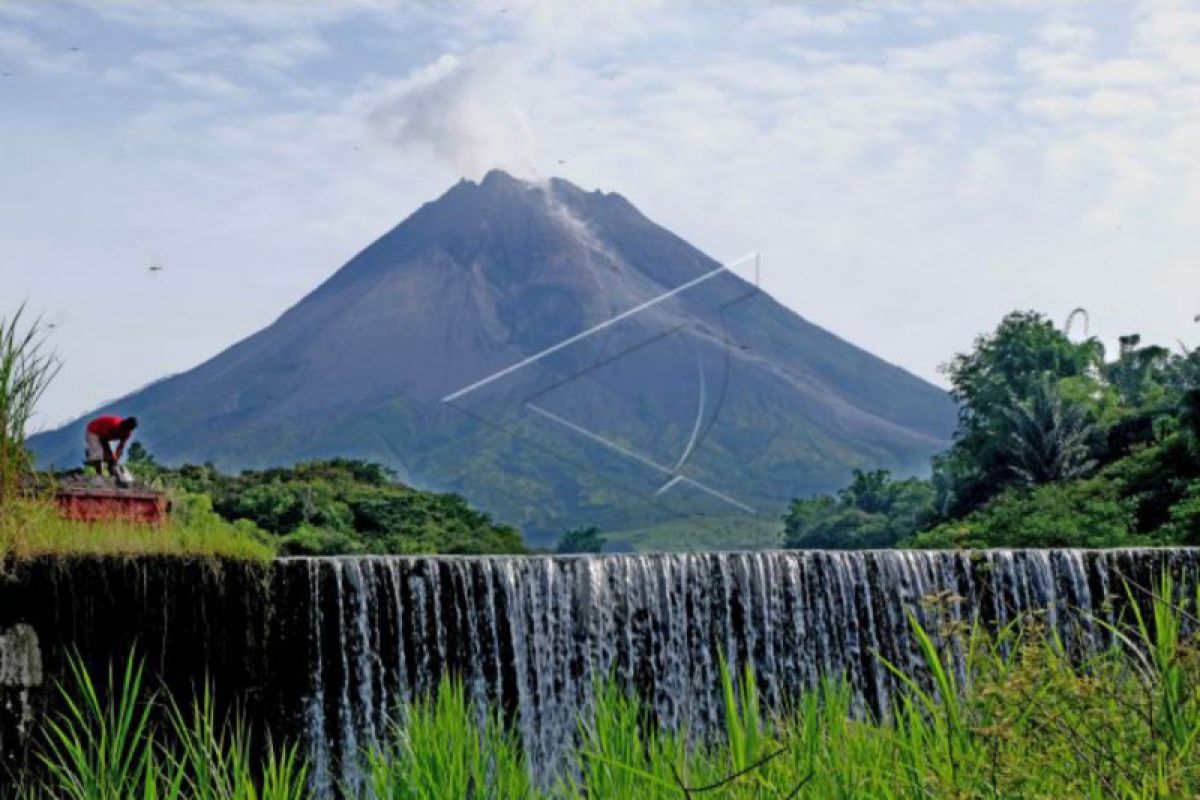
(463, 110)
(286, 52)
(969, 50)
(785, 22)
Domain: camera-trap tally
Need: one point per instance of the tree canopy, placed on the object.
(1056, 446)
(340, 506)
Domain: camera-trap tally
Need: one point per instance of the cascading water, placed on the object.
(531, 635)
(326, 650)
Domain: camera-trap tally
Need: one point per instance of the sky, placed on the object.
(909, 172)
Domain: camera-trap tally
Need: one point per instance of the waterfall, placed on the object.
(530, 635)
(326, 650)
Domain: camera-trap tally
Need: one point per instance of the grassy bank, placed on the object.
(31, 528)
(1028, 722)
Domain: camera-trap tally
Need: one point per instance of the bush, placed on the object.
(581, 540)
(343, 506)
(1086, 513)
(873, 511)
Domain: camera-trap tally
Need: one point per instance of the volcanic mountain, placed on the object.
(558, 359)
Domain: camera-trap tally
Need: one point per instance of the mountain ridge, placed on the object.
(494, 272)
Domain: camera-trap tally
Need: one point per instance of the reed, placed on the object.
(26, 370)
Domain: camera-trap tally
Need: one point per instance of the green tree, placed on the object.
(1139, 374)
(582, 540)
(1004, 370)
(138, 454)
(348, 506)
(1011, 360)
(1088, 513)
(1049, 439)
(872, 511)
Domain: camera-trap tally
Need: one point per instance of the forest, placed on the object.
(1058, 445)
(334, 507)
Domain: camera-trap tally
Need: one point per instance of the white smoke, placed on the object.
(465, 111)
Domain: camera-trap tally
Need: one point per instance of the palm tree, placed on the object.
(1049, 439)
(1137, 369)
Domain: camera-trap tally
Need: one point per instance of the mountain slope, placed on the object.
(717, 393)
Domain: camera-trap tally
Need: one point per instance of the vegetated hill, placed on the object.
(727, 399)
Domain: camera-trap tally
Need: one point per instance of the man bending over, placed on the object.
(101, 433)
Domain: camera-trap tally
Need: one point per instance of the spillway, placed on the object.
(325, 649)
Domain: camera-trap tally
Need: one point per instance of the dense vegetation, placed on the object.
(1056, 446)
(337, 507)
(1023, 720)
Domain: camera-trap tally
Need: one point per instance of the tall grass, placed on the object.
(118, 741)
(1025, 721)
(26, 370)
(31, 527)
(443, 748)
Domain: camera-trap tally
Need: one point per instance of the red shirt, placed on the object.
(107, 428)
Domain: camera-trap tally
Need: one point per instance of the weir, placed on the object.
(325, 649)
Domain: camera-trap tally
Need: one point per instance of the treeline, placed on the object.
(1057, 445)
(334, 507)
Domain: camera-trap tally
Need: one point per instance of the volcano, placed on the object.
(558, 359)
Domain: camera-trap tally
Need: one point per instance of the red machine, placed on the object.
(95, 504)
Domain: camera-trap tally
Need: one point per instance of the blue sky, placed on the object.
(909, 171)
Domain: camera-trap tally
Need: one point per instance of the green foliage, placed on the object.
(139, 457)
(1183, 525)
(111, 743)
(1010, 389)
(1139, 375)
(1010, 362)
(1055, 448)
(873, 511)
(1080, 514)
(343, 506)
(26, 370)
(1050, 439)
(443, 748)
(582, 540)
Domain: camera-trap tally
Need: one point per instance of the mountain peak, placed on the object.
(493, 273)
(498, 177)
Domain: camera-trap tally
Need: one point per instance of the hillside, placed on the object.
(719, 394)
